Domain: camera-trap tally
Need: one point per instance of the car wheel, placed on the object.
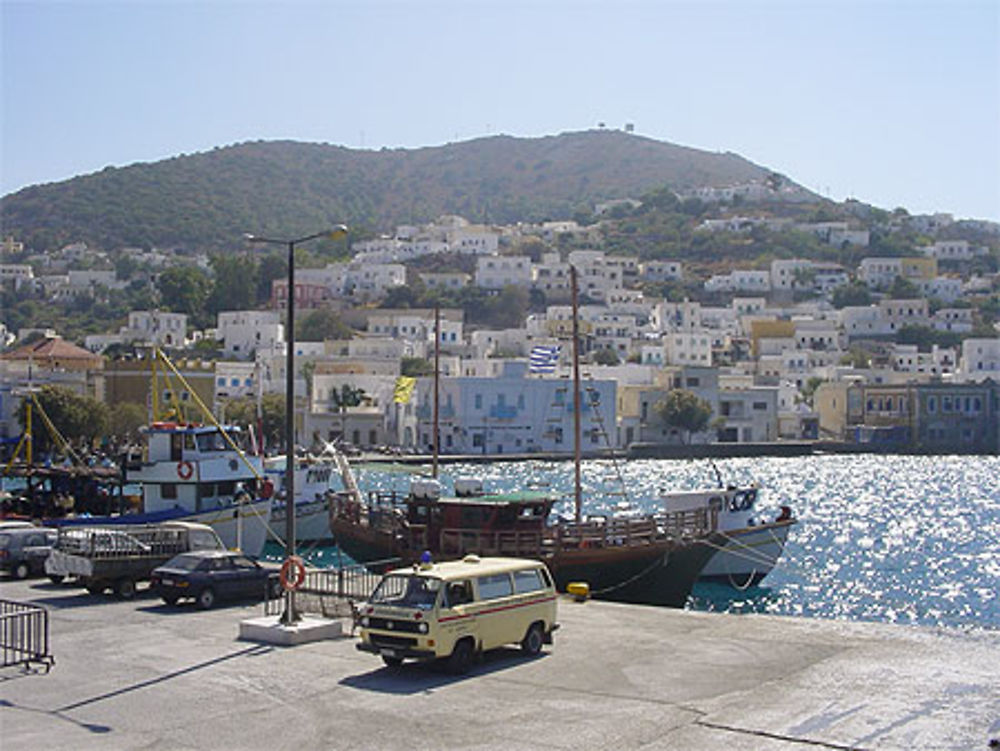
(125, 588)
(56, 578)
(392, 662)
(95, 589)
(21, 571)
(206, 598)
(170, 599)
(532, 642)
(461, 658)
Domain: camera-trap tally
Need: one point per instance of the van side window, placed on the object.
(527, 581)
(458, 593)
(492, 587)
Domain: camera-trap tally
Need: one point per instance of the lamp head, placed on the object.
(337, 231)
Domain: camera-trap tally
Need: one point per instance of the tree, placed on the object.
(320, 325)
(125, 419)
(904, 289)
(272, 266)
(231, 289)
(80, 419)
(414, 367)
(348, 396)
(243, 411)
(685, 411)
(184, 289)
(856, 294)
(606, 357)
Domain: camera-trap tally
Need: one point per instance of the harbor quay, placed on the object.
(142, 675)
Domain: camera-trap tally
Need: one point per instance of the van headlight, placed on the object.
(422, 628)
(365, 621)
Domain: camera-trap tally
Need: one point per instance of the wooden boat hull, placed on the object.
(745, 556)
(661, 574)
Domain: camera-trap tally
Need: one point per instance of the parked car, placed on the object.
(208, 576)
(23, 550)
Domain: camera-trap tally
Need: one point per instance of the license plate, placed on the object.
(387, 652)
(167, 582)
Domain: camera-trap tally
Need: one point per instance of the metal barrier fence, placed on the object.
(24, 635)
(332, 592)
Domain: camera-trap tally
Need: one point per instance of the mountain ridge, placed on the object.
(208, 199)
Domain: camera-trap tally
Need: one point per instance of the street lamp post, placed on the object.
(290, 615)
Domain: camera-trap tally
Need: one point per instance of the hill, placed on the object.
(208, 200)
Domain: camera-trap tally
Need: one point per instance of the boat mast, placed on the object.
(577, 492)
(437, 381)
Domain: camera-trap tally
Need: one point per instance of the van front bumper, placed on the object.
(397, 651)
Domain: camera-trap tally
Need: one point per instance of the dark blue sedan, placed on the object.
(208, 576)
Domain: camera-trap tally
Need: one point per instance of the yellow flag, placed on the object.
(404, 389)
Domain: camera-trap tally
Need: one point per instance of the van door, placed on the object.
(456, 616)
(495, 591)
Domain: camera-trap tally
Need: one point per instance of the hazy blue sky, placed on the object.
(894, 103)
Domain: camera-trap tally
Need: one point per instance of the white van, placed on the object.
(458, 609)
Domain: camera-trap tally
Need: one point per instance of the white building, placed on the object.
(661, 271)
(159, 327)
(688, 348)
(980, 359)
(243, 332)
(740, 280)
(950, 250)
(497, 272)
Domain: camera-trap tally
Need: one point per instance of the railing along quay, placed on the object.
(24, 635)
(332, 592)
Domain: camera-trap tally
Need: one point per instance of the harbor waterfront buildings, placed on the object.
(764, 346)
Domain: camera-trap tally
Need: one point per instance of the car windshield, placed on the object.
(407, 591)
(185, 562)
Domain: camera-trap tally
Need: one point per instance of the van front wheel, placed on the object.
(532, 642)
(461, 658)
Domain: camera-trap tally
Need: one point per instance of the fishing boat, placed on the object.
(751, 544)
(202, 473)
(651, 559)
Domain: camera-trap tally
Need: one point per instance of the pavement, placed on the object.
(141, 675)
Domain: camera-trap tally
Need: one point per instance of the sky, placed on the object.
(895, 103)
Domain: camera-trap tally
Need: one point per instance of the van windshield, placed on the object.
(407, 591)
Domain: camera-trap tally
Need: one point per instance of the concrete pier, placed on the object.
(142, 675)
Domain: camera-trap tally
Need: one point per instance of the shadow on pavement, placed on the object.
(417, 677)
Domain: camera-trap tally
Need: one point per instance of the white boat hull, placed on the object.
(312, 520)
(749, 554)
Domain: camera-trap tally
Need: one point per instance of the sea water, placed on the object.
(901, 539)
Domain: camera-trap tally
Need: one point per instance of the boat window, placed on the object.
(168, 490)
(201, 539)
(494, 586)
(213, 441)
(527, 581)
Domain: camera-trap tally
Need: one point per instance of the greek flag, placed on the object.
(543, 358)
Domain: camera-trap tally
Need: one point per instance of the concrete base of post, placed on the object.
(269, 629)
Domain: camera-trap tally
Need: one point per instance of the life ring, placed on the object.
(293, 573)
(184, 470)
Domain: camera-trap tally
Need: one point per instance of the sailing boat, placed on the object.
(653, 559)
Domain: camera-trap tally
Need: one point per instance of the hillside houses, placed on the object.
(764, 346)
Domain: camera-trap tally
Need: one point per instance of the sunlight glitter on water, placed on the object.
(901, 539)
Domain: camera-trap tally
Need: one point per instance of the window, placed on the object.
(931, 404)
(479, 401)
(760, 406)
(492, 587)
(527, 581)
(168, 490)
(946, 404)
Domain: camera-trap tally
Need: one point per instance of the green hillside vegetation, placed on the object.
(207, 201)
